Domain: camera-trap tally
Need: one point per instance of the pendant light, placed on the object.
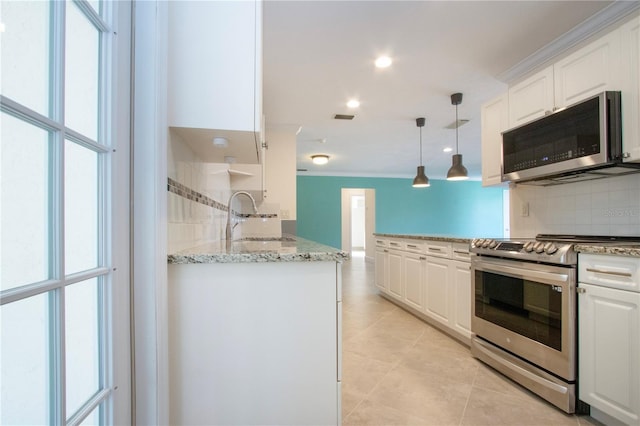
(457, 170)
(421, 180)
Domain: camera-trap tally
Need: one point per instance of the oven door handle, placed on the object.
(517, 272)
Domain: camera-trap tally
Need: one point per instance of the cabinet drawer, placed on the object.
(610, 271)
(415, 247)
(460, 252)
(439, 249)
(395, 244)
(381, 242)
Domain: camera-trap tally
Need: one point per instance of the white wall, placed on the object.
(608, 206)
(357, 221)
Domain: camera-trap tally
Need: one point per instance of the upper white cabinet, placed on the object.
(586, 72)
(494, 119)
(215, 65)
(630, 35)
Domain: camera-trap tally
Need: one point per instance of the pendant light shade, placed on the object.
(421, 180)
(457, 171)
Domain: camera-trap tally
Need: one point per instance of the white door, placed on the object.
(63, 218)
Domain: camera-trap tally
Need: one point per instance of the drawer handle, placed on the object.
(411, 246)
(386, 251)
(423, 258)
(395, 244)
(461, 252)
(618, 274)
(435, 249)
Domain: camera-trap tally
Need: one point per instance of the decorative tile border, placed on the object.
(188, 193)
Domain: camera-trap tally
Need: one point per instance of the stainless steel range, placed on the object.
(524, 312)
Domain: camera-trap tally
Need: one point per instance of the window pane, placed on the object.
(82, 343)
(92, 419)
(24, 48)
(81, 73)
(80, 208)
(24, 370)
(24, 201)
(95, 4)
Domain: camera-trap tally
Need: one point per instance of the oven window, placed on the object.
(528, 308)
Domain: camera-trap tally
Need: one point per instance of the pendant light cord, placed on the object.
(421, 146)
(457, 125)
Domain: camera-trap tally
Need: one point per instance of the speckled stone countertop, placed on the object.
(287, 249)
(427, 237)
(632, 250)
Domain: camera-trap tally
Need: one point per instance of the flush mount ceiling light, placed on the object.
(320, 159)
(353, 103)
(383, 62)
(220, 142)
(457, 170)
(447, 149)
(421, 180)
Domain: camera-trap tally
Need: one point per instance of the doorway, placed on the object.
(358, 221)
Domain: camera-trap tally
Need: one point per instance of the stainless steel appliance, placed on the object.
(524, 311)
(580, 142)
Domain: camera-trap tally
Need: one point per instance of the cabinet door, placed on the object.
(382, 269)
(609, 352)
(437, 290)
(531, 98)
(396, 274)
(214, 61)
(414, 272)
(630, 33)
(461, 300)
(588, 71)
(494, 118)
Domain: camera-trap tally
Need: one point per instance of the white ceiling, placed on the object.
(319, 54)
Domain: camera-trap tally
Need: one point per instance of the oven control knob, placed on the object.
(538, 247)
(477, 242)
(528, 246)
(550, 248)
(493, 244)
(486, 243)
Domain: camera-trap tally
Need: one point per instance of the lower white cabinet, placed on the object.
(396, 274)
(432, 279)
(609, 337)
(438, 289)
(382, 268)
(414, 278)
(461, 300)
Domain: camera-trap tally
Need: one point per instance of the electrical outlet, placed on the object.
(284, 214)
(524, 212)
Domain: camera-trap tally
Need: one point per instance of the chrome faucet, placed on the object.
(229, 234)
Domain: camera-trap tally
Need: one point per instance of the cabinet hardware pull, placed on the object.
(423, 258)
(581, 290)
(435, 249)
(386, 251)
(412, 246)
(460, 252)
(619, 274)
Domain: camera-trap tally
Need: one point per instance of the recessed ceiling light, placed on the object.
(383, 62)
(447, 149)
(353, 103)
(220, 142)
(320, 159)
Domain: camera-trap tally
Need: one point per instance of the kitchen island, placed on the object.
(255, 333)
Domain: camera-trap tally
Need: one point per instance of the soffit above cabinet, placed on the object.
(243, 146)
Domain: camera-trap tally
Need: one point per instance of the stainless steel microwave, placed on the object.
(579, 142)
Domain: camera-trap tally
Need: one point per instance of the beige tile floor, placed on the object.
(397, 370)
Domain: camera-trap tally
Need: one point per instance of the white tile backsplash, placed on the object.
(608, 206)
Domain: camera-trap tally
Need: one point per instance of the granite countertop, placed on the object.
(609, 248)
(254, 250)
(427, 237)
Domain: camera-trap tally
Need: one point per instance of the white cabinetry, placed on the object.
(630, 67)
(215, 65)
(494, 117)
(586, 72)
(396, 273)
(609, 336)
(430, 278)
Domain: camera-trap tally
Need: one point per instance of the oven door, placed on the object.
(528, 309)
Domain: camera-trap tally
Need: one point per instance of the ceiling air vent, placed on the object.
(343, 117)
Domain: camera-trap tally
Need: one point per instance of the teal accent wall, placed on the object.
(456, 209)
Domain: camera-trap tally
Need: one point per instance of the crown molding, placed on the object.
(601, 20)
